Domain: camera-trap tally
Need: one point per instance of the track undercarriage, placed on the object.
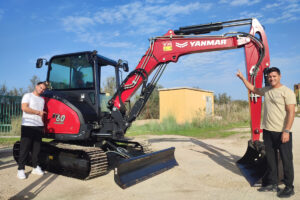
(131, 162)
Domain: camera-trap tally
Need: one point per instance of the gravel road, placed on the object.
(206, 170)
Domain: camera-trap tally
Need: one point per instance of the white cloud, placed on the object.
(155, 1)
(135, 18)
(246, 14)
(272, 6)
(77, 24)
(244, 2)
(239, 2)
(137, 13)
(102, 39)
(282, 11)
(282, 61)
(221, 59)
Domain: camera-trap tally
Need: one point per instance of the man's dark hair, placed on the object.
(273, 69)
(43, 82)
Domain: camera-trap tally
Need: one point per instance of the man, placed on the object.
(278, 117)
(31, 129)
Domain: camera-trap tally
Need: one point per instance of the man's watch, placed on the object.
(286, 131)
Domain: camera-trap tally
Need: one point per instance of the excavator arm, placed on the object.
(189, 40)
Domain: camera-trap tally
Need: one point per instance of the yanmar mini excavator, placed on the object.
(89, 138)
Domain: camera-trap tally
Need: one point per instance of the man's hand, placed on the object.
(285, 137)
(249, 85)
(42, 113)
(239, 74)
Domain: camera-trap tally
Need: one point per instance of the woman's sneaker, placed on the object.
(21, 174)
(37, 171)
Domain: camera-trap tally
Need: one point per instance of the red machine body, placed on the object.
(60, 118)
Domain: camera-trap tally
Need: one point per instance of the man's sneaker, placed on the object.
(286, 192)
(269, 188)
(37, 171)
(21, 174)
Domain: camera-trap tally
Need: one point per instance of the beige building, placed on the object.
(185, 103)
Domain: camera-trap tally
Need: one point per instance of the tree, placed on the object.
(3, 89)
(16, 92)
(151, 109)
(33, 81)
(222, 99)
(109, 85)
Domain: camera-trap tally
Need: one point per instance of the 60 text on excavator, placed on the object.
(89, 137)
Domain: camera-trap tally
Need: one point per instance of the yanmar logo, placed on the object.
(208, 43)
(181, 45)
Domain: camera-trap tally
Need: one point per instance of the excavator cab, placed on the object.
(78, 79)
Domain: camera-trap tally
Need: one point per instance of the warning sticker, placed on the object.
(167, 46)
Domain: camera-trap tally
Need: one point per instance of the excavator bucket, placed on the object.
(134, 170)
(253, 164)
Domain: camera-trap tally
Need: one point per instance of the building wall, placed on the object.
(184, 103)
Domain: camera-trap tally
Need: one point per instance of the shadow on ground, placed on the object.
(32, 190)
(220, 156)
(6, 160)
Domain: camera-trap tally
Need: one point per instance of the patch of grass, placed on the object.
(16, 122)
(229, 116)
(16, 126)
(208, 129)
(8, 141)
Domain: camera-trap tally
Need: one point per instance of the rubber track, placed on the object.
(98, 158)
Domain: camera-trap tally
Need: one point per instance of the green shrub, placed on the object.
(16, 126)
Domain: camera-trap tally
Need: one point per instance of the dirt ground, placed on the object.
(206, 170)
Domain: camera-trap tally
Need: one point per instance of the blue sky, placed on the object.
(121, 29)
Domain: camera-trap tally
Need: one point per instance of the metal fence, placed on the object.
(10, 108)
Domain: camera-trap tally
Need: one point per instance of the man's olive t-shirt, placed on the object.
(274, 117)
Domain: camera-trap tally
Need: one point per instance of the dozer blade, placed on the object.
(134, 170)
(253, 164)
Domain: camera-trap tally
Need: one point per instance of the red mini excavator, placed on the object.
(88, 128)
